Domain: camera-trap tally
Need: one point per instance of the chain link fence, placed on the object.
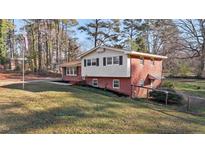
(190, 103)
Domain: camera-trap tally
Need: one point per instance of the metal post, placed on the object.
(188, 103)
(166, 98)
(23, 70)
(131, 90)
(147, 94)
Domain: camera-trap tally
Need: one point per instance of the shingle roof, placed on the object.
(72, 63)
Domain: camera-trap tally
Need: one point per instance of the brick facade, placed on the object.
(107, 83)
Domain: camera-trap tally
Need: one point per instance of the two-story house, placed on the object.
(116, 70)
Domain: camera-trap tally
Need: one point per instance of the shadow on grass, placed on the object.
(69, 115)
(24, 123)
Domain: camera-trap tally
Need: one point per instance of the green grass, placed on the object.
(192, 87)
(49, 108)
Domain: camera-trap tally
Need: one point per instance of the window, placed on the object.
(142, 61)
(94, 62)
(74, 70)
(116, 60)
(95, 82)
(116, 84)
(152, 61)
(71, 71)
(88, 62)
(141, 82)
(109, 60)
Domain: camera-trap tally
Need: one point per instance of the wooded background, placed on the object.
(52, 41)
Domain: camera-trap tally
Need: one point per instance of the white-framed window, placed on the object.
(116, 60)
(109, 60)
(95, 82)
(142, 61)
(141, 82)
(116, 84)
(88, 62)
(71, 71)
(94, 62)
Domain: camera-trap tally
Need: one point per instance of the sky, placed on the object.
(81, 36)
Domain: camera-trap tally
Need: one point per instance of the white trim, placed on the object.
(125, 52)
(113, 83)
(73, 74)
(93, 82)
(107, 61)
(95, 61)
(104, 47)
(118, 57)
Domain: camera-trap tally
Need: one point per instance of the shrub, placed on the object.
(184, 69)
(160, 96)
(168, 84)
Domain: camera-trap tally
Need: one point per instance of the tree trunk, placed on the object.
(39, 49)
(201, 72)
(96, 33)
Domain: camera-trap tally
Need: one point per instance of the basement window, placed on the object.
(116, 84)
(141, 83)
(95, 82)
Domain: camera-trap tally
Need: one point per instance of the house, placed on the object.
(116, 70)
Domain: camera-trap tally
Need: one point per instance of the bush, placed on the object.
(184, 69)
(168, 84)
(160, 96)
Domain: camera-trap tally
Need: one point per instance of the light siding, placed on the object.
(114, 70)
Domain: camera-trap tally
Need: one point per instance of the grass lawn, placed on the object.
(49, 108)
(190, 86)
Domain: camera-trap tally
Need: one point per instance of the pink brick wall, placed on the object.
(139, 71)
(107, 82)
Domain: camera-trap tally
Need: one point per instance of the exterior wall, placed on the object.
(114, 70)
(107, 83)
(139, 71)
(73, 79)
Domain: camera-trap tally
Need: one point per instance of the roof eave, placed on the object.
(146, 55)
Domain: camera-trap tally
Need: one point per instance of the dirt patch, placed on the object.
(13, 76)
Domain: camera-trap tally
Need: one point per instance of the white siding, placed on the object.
(114, 70)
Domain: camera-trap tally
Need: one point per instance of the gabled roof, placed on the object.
(72, 63)
(134, 53)
(104, 47)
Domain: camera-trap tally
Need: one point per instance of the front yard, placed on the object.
(48, 108)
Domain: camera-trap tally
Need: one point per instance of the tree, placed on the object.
(5, 27)
(102, 32)
(132, 34)
(49, 43)
(193, 40)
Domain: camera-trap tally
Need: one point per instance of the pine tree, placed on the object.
(102, 32)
